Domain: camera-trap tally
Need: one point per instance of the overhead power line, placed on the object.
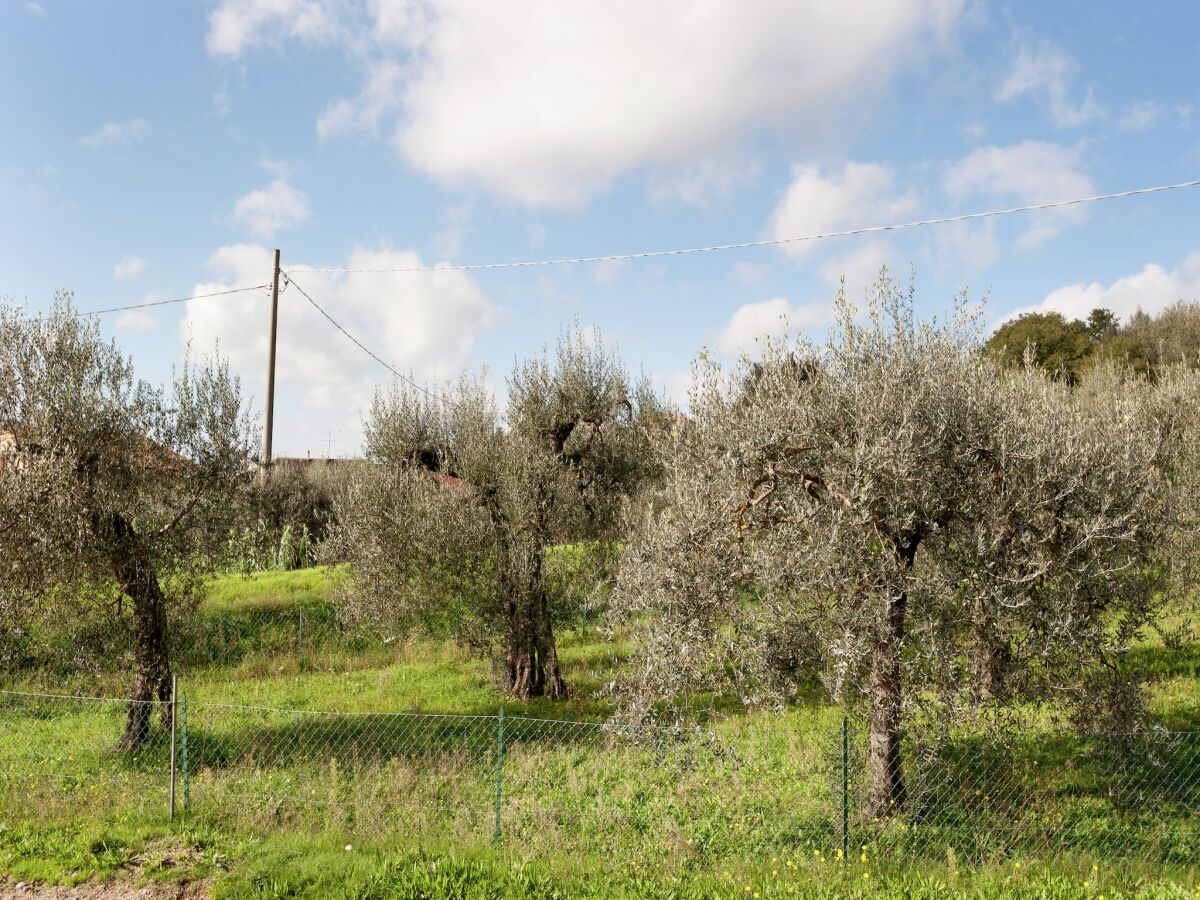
(241, 290)
(771, 242)
(361, 346)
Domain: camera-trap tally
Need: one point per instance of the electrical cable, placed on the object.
(100, 312)
(770, 242)
(361, 345)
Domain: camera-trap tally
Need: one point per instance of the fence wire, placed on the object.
(751, 788)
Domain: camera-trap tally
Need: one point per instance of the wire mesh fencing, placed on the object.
(745, 788)
(59, 754)
(975, 797)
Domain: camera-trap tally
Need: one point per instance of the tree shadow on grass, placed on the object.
(1130, 795)
(1156, 663)
(218, 738)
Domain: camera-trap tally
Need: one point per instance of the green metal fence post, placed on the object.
(499, 773)
(845, 789)
(174, 715)
(183, 761)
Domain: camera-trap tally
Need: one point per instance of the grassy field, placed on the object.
(287, 800)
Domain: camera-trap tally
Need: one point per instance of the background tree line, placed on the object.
(1069, 348)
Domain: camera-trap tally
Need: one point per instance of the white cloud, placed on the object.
(674, 385)
(1044, 69)
(549, 107)
(116, 133)
(862, 194)
(36, 8)
(1146, 114)
(1028, 173)
(448, 242)
(775, 317)
(550, 292)
(280, 168)
(1140, 116)
(128, 267)
(367, 112)
(138, 319)
(267, 210)
(859, 268)
(701, 183)
(750, 273)
(426, 327)
(606, 271)
(1152, 289)
(239, 25)
(967, 247)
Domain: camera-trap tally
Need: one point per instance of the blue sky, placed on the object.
(156, 150)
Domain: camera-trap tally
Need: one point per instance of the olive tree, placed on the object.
(450, 525)
(106, 480)
(878, 511)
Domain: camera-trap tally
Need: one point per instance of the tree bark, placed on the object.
(990, 659)
(886, 791)
(152, 671)
(532, 668)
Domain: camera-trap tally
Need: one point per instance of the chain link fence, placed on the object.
(750, 788)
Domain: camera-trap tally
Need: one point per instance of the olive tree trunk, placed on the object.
(531, 662)
(990, 660)
(152, 671)
(886, 792)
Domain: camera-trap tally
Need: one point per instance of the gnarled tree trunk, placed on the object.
(990, 659)
(886, 792)
(152, 677)
(531, 663)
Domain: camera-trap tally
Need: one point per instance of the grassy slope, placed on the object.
(247, 855)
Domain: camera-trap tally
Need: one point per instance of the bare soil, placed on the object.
(102, 890)
(129, 885)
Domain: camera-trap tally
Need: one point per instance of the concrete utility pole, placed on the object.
(269, 424)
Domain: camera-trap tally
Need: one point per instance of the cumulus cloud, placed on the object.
(859, 268)
(264, 211)
(138, 319)
(816, 202)
(1027, 173)
(775, 317)
(1043, 69)
(426, 326)
(1152, 289)
(673, 385)
(367, 112)
(236, 26)
(551, 106)
(116, 133)
(128, 267)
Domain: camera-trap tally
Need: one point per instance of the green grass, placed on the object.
(277, 795)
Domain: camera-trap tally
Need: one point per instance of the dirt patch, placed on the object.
(130, 883)
(102, 890)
